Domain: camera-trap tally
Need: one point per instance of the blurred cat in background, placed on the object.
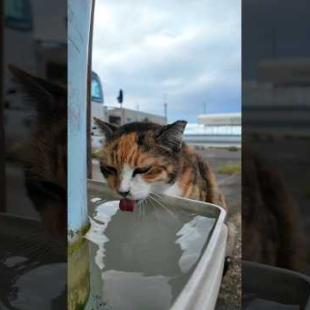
(44, 155)
(270, 221)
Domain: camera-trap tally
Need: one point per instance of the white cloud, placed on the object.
(186, 51)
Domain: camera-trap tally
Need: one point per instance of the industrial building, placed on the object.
(120, 116)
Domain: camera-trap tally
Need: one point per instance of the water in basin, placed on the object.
(143, 259)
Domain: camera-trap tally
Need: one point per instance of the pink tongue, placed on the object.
(127, 205)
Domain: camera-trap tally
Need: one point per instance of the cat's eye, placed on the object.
(141, 170)
(107, 170)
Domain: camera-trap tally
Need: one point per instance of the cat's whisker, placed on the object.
(154, 207)
(167, 209)
(141, 208)
(141, 205)
(164, 207)
(145, 205)
(147, 201)
(157, 195)
(158, 205)
(158, 199)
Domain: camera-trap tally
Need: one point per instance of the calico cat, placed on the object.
(270, 221)
(44, 156)
(142, 158)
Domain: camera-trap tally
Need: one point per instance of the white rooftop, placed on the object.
(220, 119)
(200, 129)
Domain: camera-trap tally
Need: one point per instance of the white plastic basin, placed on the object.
(167, 254)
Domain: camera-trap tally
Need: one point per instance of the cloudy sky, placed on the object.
(185, 52)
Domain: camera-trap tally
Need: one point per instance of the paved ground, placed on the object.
(230, 184)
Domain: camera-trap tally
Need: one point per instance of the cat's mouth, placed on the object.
(127, 204)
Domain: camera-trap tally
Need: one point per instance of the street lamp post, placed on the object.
(165, 111)
(120, 101)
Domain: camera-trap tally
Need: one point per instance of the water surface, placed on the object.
(143, 259)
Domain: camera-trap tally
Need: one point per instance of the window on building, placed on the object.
(18, 14)
(96, 89)
(115, 120)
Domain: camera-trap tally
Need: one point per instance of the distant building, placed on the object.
(220, 130)
(120, 116)
(223, 119)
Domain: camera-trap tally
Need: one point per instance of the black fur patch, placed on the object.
(138, 127)
(172, 177)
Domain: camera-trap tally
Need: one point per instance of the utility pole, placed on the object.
(120, 101)
(138, 109)
(165, 111)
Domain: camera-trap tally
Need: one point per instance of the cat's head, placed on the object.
(141, 157)
(44, 155)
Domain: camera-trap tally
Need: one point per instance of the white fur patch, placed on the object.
(139, 189)
(136, 186)
(173, 190)
(167, 189)
(126, 176)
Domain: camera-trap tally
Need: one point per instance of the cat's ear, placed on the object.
(172, 135)
(48, 97)
(106, 128)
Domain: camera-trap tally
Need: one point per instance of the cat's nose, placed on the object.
(124, 194)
